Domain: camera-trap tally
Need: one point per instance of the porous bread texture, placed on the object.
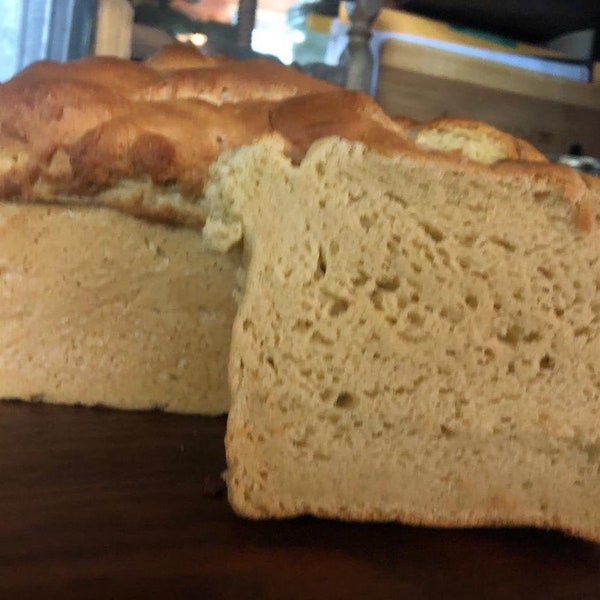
(97, 307)
(417, 339)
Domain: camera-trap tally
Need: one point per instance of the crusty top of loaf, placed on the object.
(141, 136)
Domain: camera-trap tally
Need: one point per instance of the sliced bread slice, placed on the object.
(417, 338)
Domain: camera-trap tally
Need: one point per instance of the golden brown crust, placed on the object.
(83, 127)
(233, 81)
(171, 142)
(182, 56)
(350, 115)
(500, 145)
(72, 132)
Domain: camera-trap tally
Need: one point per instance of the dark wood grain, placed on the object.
(102, 504)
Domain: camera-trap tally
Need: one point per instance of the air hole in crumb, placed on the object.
(376, 299)
(446, 431)
(319, 338)
(581, 331)
(247, 324)
(532, 336)
(546, 362)
(360, 279)
(354, 197)
(334, 247)
(545, 272)
(345, 401)
(271, 363)
(389, 284)
(339, 307)
(395, 198)
(414, 318)
(472, 301)
(302, 325)
(433, 232)
(514, 333)
(366, 222)
(415, 298)
(504, 244)
(321, 264)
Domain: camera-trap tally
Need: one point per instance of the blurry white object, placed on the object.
(197, 39)
(59, 30)
(114, 25)
(272, 35)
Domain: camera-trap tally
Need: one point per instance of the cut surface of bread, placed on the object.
(417, 338)
(98, 307)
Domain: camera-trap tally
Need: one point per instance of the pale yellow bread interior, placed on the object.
(417, 338)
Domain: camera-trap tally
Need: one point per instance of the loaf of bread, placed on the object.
(417, 332)
(417, 337)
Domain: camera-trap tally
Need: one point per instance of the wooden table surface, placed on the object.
(103, 504)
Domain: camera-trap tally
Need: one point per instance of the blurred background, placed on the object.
(530, 67)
